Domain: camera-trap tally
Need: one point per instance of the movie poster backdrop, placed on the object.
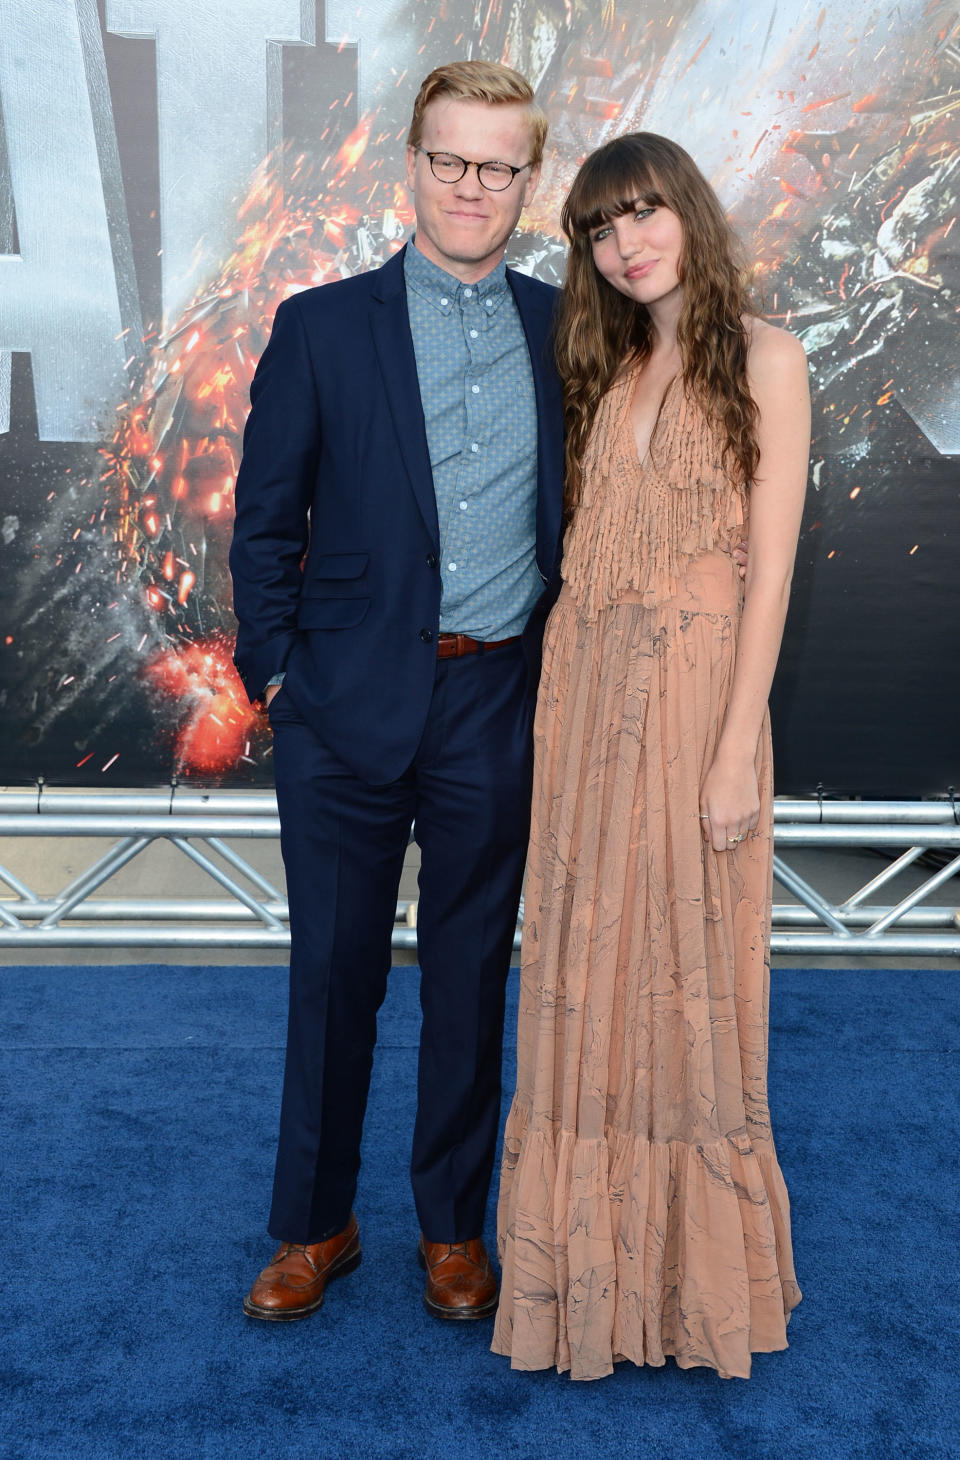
(170, 170)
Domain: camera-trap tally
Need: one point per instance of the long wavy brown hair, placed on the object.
(599, 330)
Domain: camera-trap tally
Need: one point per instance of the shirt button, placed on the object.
(475, 389)
(426, 636)
(468, 293)
(452, 567)
(444, 302)
(463, 506)
(474, 446)
(489, 303)
(473, 334)
(431, 560)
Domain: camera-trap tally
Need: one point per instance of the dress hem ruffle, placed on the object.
(629, 1249)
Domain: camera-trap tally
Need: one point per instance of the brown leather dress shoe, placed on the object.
(460, 1280)
(293, 1285)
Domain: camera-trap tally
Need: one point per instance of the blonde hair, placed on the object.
(485, 81)
(599, 329)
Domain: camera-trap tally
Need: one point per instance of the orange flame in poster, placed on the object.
(219, 721)
(353, 148)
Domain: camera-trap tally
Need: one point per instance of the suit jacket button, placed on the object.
(431, 560)
(426, 636)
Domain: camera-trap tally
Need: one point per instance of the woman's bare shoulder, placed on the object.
(772, 348)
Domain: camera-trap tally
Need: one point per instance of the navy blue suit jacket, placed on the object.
(336, 477)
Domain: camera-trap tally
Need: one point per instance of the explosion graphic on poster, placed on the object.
(842, 171)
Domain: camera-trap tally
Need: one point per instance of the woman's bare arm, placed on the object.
(777, 370)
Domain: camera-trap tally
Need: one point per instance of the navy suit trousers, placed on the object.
(343, 841)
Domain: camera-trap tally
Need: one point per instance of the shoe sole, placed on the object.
(456, 1315)
(345, 1265)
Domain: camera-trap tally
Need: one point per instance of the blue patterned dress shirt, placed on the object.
(476, 385)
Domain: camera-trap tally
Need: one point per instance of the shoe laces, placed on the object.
(301, 1248)
(454, 1249)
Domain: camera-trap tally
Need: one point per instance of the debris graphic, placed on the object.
(157, 538)
(847, 196)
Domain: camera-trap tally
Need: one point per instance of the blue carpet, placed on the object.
(139, 1110)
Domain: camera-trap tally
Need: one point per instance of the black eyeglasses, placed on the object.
(447, 167)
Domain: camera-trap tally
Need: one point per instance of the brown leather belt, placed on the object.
(454, 646)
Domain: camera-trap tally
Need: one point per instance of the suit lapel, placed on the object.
(393, 342)
(535, 307)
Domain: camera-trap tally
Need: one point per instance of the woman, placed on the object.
(642, 1210)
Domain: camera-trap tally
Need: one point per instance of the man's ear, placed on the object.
(531, 185)
(411, 166)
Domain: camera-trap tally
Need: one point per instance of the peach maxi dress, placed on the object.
(642, 1210)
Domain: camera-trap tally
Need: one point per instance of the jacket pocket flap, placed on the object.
(331, 613)
(334, 565)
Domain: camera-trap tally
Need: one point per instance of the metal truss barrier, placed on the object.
(203, 826)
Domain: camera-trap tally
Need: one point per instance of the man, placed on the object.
(398, 515)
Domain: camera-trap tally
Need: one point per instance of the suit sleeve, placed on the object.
(274, 490)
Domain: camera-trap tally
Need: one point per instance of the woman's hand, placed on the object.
(729, 802)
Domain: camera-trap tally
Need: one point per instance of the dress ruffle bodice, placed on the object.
(639, 525)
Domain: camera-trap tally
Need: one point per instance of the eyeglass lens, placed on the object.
(447, 167)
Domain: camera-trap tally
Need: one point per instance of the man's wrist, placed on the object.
(270, 690)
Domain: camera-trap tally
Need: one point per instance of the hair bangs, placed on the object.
(619, 179)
